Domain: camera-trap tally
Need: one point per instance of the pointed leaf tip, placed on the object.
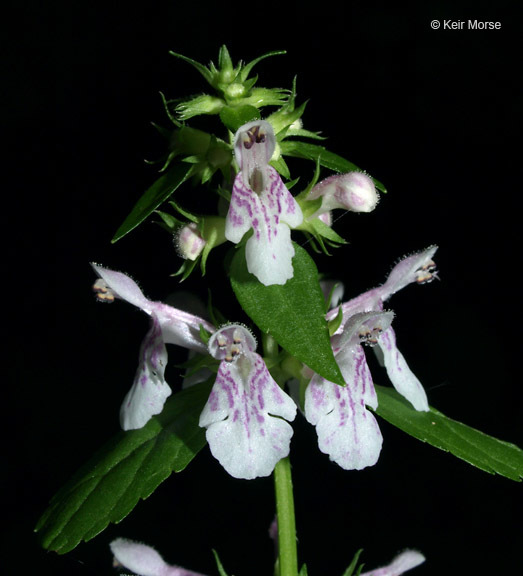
(293, 313)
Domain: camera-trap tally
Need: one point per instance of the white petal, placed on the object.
(367, 302)
(255, 154)
(245, 418)
(271, 260)
(400, 374)
(139, 558)
(403, 562)
(231, 340)
(269, 251)
(123, 287)
(363, 327)
(418, 267)
(178, 327)
(346, 430)
(144, 560)
(181, 328)
(149, 390)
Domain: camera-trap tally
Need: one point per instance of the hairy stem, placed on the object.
(288, 555)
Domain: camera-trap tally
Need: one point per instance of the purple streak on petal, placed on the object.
(244, 436)
(346, 430)
(269, 254)
(149, 390)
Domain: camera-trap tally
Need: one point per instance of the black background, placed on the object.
(434, 114)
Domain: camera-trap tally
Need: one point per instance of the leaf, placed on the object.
(127, 469)
(481, 450)
(246, 70)
(353, 564)
(219, 565)
(293, 313)
(158, 193)
(327, 159)
(203, 70)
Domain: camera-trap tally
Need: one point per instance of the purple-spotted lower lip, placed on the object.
(246, 417)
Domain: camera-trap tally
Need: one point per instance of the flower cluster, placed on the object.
(247, 414)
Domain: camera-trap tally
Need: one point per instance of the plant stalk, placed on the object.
(287, 550)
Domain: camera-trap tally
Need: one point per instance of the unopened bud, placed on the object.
(235, 90)
(189, 241)
(353, 191)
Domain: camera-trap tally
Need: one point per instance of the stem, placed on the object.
(288, 554)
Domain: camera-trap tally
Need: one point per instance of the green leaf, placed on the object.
(293, 313)
(327, 159)
(281, 167)
(219, 565)
(127, 469)
(485, 452)
(203, 70)
(158, 193)
(233, 118)
(246, 70)
(353, 564)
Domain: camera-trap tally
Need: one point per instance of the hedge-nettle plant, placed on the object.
(304, 351)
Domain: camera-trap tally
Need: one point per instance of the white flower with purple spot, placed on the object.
(168, 326)
(346, 430)
(418, 268)
(247, 412)
(261, 202)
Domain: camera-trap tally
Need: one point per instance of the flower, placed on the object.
(247, 412)
(144, 560)
(168, 326)
(261, 201)
(417, 268)
(405, 561)
(189, 241)
(354, 191)
(346, 430)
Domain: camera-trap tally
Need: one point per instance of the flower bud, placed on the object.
(189, 241)
(353, 191)
(235, 90)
